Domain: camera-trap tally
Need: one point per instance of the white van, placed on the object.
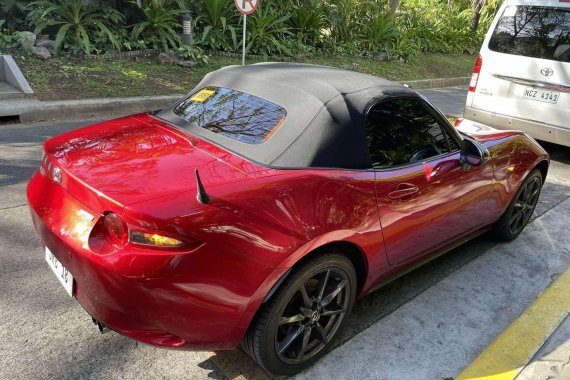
(521, 79)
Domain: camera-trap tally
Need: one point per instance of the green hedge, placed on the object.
(361, 27)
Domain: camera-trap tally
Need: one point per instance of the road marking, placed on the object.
(507, 356)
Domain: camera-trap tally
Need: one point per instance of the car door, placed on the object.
(426, 199)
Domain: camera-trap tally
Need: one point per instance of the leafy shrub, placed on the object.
(13, 13)
(76, 21)
(218, 20)
(160, 24)
(487, 15)
(7, 39)
(266, 31)
(123, 38)
(343, 20)
(298, 48)
(436, 29)
(193, 53)
(307, 20)
(405, 47)
(361, 27)
(379, 33)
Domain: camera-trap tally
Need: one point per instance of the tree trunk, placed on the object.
(394, 4)
(477, 6)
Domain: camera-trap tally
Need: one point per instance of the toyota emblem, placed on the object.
(546, 71)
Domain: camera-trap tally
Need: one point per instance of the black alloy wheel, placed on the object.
(296, 326)
(520, 210)
(524, 205)
(312, 316)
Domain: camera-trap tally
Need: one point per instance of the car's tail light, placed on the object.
(116, 231)
(457, 122)
(475, 75)
(154, 239)
(119, 234)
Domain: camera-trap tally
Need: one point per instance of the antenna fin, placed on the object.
(201, 196)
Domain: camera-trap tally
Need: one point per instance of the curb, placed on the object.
(36, 111)
(77, 109)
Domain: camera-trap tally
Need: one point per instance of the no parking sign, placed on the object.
(245, 7)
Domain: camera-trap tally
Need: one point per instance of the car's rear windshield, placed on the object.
(533, 31)
(232, 113)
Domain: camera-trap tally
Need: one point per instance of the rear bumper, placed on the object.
(540, 131)
(120, 303)
(175, 300)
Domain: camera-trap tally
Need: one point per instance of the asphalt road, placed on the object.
(449, 100)
(46, 334)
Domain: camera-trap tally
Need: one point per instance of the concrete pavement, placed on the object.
(431, 323)
(437, 334)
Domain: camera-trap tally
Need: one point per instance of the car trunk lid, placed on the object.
(129, 160)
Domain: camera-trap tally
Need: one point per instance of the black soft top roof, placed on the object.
(324, 126)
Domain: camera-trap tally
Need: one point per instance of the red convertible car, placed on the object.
(260, 207)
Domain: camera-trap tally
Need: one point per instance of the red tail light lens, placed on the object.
(116, 230)
(475, 75)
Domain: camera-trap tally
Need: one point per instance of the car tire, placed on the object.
(520, 210)
(292, 330)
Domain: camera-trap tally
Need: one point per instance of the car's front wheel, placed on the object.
(520, 209)
(294, 328)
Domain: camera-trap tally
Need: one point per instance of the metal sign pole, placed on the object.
(243, 42)
(244, 9)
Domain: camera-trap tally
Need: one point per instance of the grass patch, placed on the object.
(61, 78)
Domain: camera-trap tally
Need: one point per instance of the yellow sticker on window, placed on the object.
(202, 95)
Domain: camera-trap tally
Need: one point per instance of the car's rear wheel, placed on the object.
(521, 208)
(294, 328)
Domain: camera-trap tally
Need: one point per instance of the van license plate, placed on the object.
(60, 271)
(541, 95)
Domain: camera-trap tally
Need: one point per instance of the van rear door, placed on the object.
(525, 71)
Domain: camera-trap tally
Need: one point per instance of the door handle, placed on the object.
(404, 190)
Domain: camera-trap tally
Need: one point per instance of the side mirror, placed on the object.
(473, 154)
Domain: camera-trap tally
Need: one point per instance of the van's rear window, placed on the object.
(533, 31)
(232, 113)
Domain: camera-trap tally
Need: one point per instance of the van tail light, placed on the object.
(115, 230)
(475, 75)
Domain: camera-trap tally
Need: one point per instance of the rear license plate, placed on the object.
(537, 94)
(61, 272)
